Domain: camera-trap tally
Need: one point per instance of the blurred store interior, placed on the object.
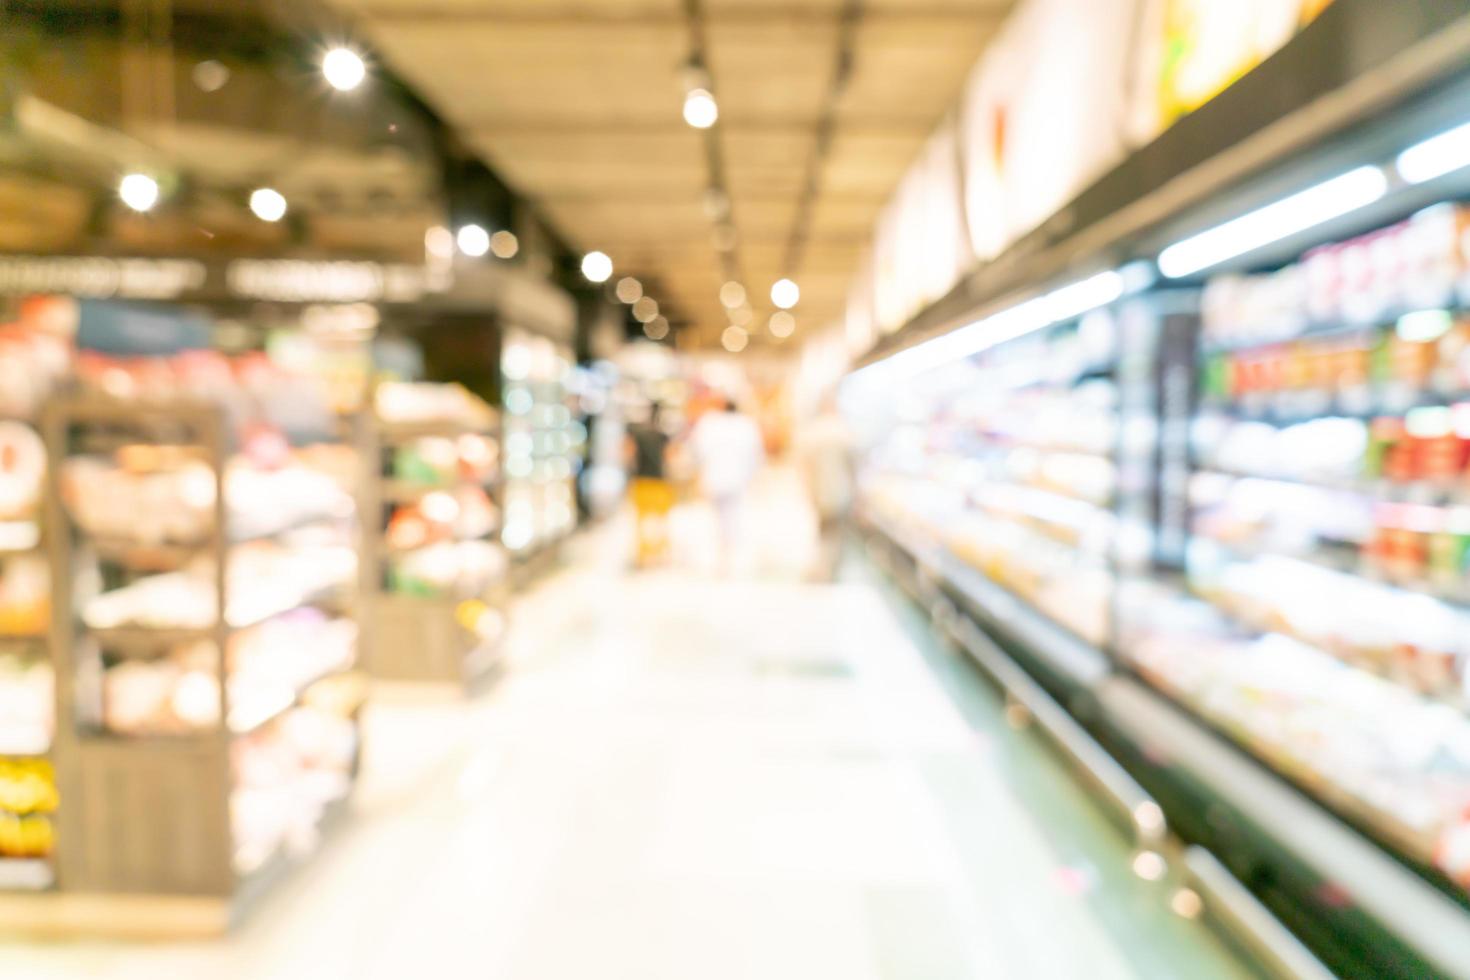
(654, 489)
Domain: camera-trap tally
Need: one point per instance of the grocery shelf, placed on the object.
(421, 626)
(153, 805)
(1060, 649)
(1433, 924)
(242, 722)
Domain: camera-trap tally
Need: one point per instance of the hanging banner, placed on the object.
(1207, 46)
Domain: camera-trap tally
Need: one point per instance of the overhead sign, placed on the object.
(101, 278)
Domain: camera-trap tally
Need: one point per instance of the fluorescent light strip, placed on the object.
(1436, 156)
(1056, 306)
(1309, 208)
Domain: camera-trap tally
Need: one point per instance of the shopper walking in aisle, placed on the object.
(824, 450)
(728, 450)
(652, 496)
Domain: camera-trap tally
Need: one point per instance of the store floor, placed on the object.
(684, 776)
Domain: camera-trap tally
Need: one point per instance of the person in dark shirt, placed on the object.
(649, 489)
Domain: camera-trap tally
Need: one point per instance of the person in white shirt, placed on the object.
(728, 450)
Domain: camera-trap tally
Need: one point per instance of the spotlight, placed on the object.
(785, 293)
(597, 267)
(734, 339)
(645, 309)
(343, 69)
(504, 244)
(138, 191)
(782, 324)
(439, 242)
(732, 294)
(473, 240)
(629, 290)
(657, 328)
(700, 109)
(268, 204)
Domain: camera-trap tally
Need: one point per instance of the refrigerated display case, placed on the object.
(1235, 542)
(542, 447)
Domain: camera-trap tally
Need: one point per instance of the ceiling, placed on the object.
(577, 104)
(78, 107)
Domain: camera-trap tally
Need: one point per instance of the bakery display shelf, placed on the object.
(251, 715)
(143, 640)
(170, 554)
(153, 804)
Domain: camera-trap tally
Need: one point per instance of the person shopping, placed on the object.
(652, 496)
(728, 450)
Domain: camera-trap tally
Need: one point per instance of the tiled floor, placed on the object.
(691, 778)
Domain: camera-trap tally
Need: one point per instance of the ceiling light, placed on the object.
(629, 290)
(785, 293)
(210, 76)
(734, 339)
(504, 244)
(597, 267)
(782, 324)
(268, 204)
(473, 240)
(439, 242)
(645, 309)
(700, 109)
(1436, 157)
(656, 329)
(1061, 304)
(1288, 216)
(343, 69)
(138, 191)
(732, 294)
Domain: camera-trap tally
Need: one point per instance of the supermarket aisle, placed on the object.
(687, 777)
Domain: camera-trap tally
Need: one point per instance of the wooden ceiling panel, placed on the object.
(485, 74)
(577, 104)
(617, 165)
(771, 72)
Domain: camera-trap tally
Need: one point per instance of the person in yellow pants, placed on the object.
(649, 489)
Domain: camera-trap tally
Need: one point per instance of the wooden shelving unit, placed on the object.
(447, 635)
(157, 815)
